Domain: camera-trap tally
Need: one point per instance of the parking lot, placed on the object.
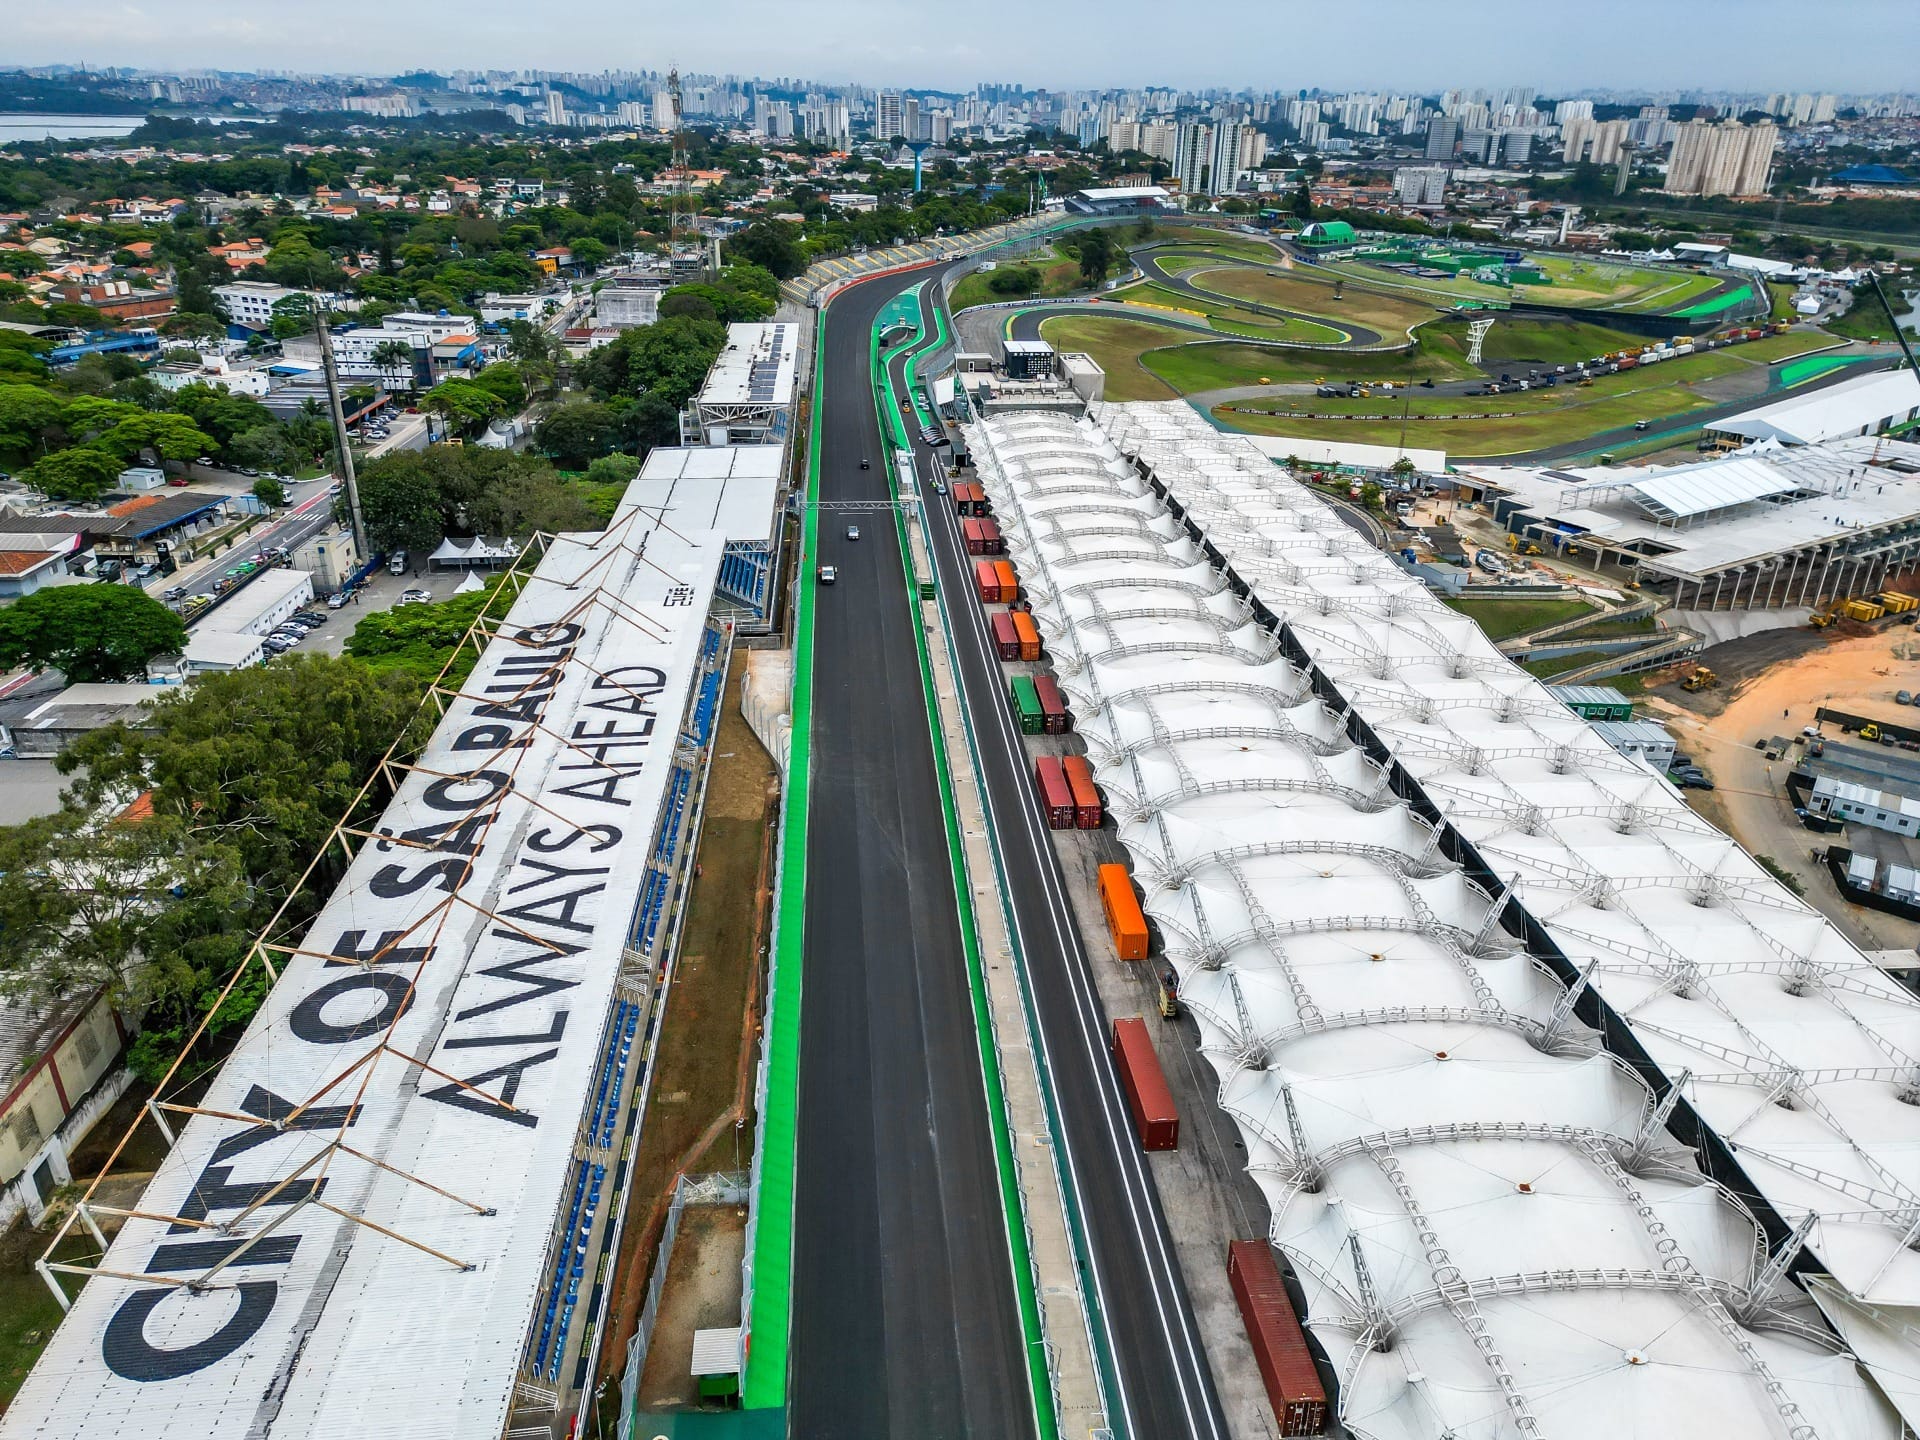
(379, 593)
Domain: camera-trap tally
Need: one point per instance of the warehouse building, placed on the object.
(1772, 525)
(1379, 854)
(391, 1209)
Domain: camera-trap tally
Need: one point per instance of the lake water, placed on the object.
(15, 128)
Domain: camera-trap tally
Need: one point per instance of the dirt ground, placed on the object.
(1771, 684)
(702, 1293)
(712, 1015)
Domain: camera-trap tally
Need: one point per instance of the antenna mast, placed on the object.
(682, 179)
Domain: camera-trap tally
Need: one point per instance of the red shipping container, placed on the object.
(976, 541)
(1279, 1346)
(991, 538)
(962, 500)
(987, 578)
(1086, 794)
(1055, 798)
(1154, 1118)
(1053, 706)
(1006, 639)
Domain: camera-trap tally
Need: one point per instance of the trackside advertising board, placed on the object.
(443, 1019)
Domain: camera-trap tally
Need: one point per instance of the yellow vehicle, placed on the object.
(1862, 610)
(1820, 620)
(1895, 603)
(1701, 679)
(1869, 731)
(1585, 382)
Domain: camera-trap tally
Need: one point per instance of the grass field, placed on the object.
(1116, 345)
(1292, 290)
(1504, 619)
(1539, 342)
(1587, 284)
(1561, 664)
(1715, 306)
(1612, 629)
(1242, 246)
(1191, 368)
(1230, 319)
(1059, 275)
(1538, 419)
(1783, 347)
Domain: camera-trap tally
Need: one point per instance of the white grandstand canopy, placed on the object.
(1496, 1231)
(1852, 407)
(756, 368)
(351, 1232)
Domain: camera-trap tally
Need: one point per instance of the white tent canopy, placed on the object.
(1494, 1230)
(473, 550)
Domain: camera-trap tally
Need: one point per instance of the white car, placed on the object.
(414, 597)
(829, 574)
(853, 532)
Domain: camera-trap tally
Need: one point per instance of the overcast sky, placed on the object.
(1425, 45)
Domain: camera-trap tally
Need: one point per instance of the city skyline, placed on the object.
(1718, 45)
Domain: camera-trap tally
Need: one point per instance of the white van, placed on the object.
(397, 563)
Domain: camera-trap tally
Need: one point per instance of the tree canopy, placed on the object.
(88, 632)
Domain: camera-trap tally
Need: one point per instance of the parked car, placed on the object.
(340, 600)
(274, 646)
(414, 597)
(1903, 697)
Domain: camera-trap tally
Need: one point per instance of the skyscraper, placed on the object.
(1724, 159)
(1443, 133)
(889, 116)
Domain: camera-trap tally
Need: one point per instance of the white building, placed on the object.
(1642, 739)
(262, 605)
(625, 306)
(1424, 185)
(250, 302)
(1865, 405)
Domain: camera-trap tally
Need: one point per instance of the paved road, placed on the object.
(1166, 1386)
(904, 1318)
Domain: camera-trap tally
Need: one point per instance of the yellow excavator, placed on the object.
(1701, 679)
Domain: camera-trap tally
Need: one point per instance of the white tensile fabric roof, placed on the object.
(1494, 1230)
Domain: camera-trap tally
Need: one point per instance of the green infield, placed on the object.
(1229, 319)
(1207, 366)
(1783, 347)
(1718, 304)
(1561, 664)
(1116, 346)
(1499, 425)
(1538, 342)
(1298, 289)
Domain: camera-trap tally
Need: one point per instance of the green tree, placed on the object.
(269, 491)
(773, 245)
(671, 357)
(576, 433)
(265, 447)
(264, 760)
(27, 415)
(1096, 258)
(401, 503)
(417, 640)
(88, 632)
(645, 423)
(79, 475)
(170, 436)
(613, 470)
(463, 404)
(292, 315)
(394, 360)
(85, 905)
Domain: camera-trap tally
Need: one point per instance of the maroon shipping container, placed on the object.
(1055, 797)
(1053, 707)
(1006, 639)
(987, 579)
(1279, 1347)
(991, 538)
(962, 501)
(1154, 1117)
(1086, 794)
(971, 533)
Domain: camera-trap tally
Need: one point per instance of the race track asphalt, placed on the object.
(1165, 1384)
(904, 1317)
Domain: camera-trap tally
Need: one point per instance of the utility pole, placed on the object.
(355, 520)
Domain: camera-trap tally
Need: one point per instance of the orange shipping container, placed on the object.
(1125, 921)
(1029, 634)
(1009, 582)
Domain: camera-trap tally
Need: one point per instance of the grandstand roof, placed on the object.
(756, 368)
(1494, 1229)
(367, 1191)
(728, 488)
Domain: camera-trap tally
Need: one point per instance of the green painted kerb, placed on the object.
(1796, 372)
(765, 1384)
(887, 406)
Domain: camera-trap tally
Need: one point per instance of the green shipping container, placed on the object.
(1026, 704)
